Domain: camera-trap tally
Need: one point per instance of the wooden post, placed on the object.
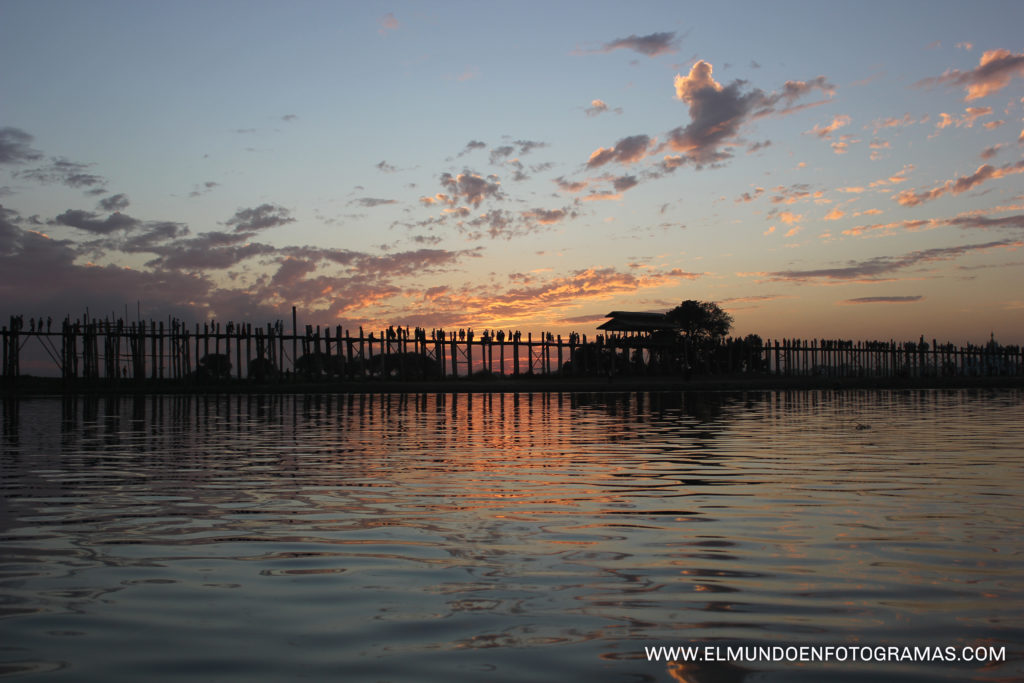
(515, 354)
(295, 342)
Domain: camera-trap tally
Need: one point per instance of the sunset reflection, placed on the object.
(590, 524)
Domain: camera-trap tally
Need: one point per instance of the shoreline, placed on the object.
(29, 386)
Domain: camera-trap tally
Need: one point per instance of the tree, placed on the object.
(701, 319)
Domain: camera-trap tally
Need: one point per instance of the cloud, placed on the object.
(993, 73)
(748, 197)
(91, 222)
(971, 115)
(152, 234)
(548, 216)
(602, 195)
(388, 23)
(792, 194)
(825, 132)
(960, 184)
(177, 280)
(883, 300)
(14, 146)
(980, 221)
(895, 179)
(529, 296)
(385, 167)
(262, 217)
(717, 112)
(471, 146)
(70, 173)
(569, 185)
(788, 217)
(623, 183)
(596, 107)
(115, 202)
(626, 151)
(894, 122)
(370, 202)
(753, 299)
(498, 154)
(970, 220)
(470, 187)
(835, 214)
(208, 251)
(990, 152)
(875, 269)
(794, 90)
(288, 118)
(200, 190)
(652, 45)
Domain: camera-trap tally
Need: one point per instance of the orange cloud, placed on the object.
(672, 162)
(826, 131)
(626, 151)
(698, 79)
(835, 214)
(895, 178)
(971, 114)
(993, 73)
(530, 297)
(960, 184)
(894, 122)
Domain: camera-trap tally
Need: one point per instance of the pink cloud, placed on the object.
(626, 151)
(826, 131)
(993, 73)
(960, 184)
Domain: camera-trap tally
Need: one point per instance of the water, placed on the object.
(508, 537)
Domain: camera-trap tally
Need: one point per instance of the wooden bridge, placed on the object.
(119, 351)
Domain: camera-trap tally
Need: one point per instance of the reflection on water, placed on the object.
(508, 536)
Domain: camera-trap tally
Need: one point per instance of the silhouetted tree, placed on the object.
(320, 364)
(701, 320)
(262, 370)
(214, 366)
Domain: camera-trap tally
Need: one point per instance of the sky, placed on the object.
(820, 170)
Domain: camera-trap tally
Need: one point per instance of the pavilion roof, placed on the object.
(636, 321)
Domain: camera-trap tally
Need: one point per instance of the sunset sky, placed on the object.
(818, 169)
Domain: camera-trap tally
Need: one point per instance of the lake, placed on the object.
(511, 537)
